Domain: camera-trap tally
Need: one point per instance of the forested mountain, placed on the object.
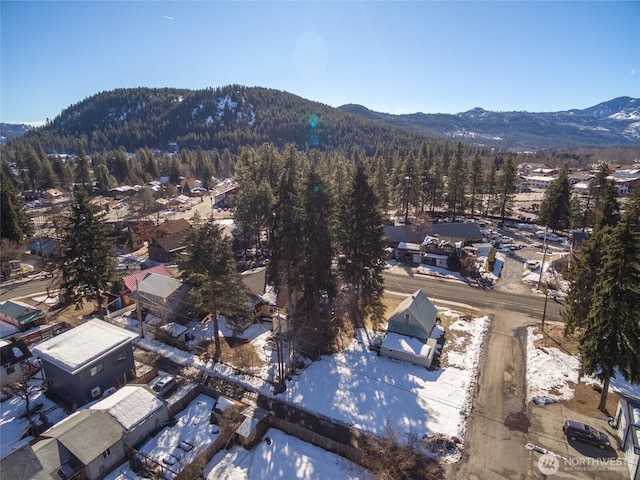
(12, 130)
(224, 118)
(612, 123)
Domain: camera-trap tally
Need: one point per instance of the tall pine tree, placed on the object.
(456, 183)
(362, 245)
(609, 342)
(208, 267)
(86, 264)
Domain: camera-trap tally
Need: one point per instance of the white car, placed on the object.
(551, 237)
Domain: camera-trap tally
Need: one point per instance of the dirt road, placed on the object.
(498, 425)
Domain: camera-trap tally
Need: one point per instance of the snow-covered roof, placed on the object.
(539, 178)
(409, 246)
(83, 345)
(130, 405)
(174, 329)
(7, 330)
(402, 343)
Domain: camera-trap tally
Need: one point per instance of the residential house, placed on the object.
(626, 180)
(22, 463)
(131, 281)
(627, 423)
(409, 330)
(179, 202)
(165, 249)
(255, 279)
(171, 227)
(138, 410)
(395, 234)
(465, 232)
(436, 251)
(124, 191)
(88, 444)
(53, 195)
(14, 359)
(44, 247)
(84, 361)
(225, 196)
(20, 314)
(163, 296)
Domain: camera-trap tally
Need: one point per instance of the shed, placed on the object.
(255, 423)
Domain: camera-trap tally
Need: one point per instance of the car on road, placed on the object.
(576, 431)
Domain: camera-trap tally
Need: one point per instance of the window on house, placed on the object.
(406, 316)
(10, 369)
(106, 453)
(119, 357)
(96, 370)
(447, 249)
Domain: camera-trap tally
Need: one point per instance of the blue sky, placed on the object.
(396, 57)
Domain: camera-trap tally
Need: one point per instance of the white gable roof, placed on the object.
(130, 405)
(81, 346)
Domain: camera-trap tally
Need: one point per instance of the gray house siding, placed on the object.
(102, 465)
(77, 388)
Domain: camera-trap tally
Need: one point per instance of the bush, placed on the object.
(491, 259)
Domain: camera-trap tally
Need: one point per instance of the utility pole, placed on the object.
(544, 256)
(139, 311)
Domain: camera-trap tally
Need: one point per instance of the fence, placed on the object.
(44, 333)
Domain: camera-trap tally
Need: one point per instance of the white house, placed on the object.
(627, 422)
(138, 409)
(409, 330)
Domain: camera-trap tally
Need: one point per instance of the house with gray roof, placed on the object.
(88, 444)
(162, 296)
(409, 330)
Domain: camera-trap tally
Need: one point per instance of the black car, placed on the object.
(576, 431)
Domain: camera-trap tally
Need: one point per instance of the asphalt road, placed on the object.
(483, 299)
(23, 288)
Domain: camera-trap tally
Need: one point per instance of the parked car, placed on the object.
(576, 431)
(164, 386)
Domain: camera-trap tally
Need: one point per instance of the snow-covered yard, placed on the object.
(364, 390)
(281, 457)
(13, 422)
(552, 374)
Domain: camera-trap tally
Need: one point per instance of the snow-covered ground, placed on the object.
(552, 374)
(364, 390)
(281, 457)
(13, 423)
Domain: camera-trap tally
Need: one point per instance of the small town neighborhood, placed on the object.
(131, 393)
